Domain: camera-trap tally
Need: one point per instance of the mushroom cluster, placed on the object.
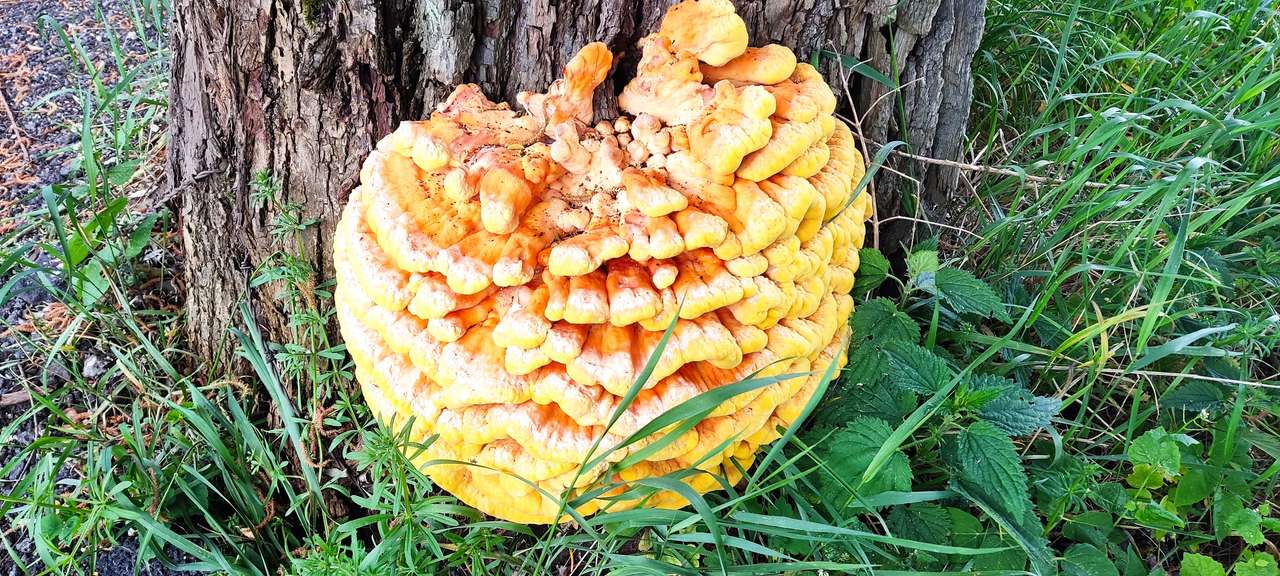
(503, 277)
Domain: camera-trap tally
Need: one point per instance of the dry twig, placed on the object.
(998, 171)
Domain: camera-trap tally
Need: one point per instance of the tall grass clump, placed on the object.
(1147, 258)
(1086, 384)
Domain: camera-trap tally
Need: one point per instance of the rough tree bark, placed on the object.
(302, 89)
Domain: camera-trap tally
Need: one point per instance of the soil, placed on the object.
(40, 119)
(39, 122)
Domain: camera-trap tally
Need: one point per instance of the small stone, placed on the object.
(94, 366)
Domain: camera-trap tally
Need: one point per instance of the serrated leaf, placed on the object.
(1215, 264)
(873, 269)
(1225, 505)
(1194, 396)
(1090, 527)
(1025, 530)
(848, 453)
(922, 261)
(1199, 565)
(1014, 409)
(879, 321)
(979, 397)
(1013, 559)
(964, 293)
(895, 476)
(988, 463)
(1110, 496)
(875, 323)
(875, 399)
(990, 381)
(1087, 560)
(925, 522)
(1158, 449)
(1020, 413)
(914, 368)
(796, 547)
(1247, 524)
(966, 529)
(867, 363)
(1253, 563)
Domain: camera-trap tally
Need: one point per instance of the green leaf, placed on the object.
(1025, 530)
(867, 363)
(756, 522)
(122, 173)
(879, 321)
(875, 323)
(1193, 487)
(1198, 565)
(1145, 477)
(1087, 560)
(794, 546)
(1091, 527)
(138, 240)
(1225, 505)
(987, 463)
(1153, 515)
(1247, 524)
(964, 293)
(1253, 563)
(1110, 496)
(1158, 449)
(873, 269)
(1136, 566)
(848, 453)
(1014, 558)
(922, 261)
(854, 398)
(1014, 410)
(141, 236)
(858, 67)
(914, 368)
(1159, 296)
(925, 522)
(92, 283)
(1177, 345)
(1021, 412)
(966, 529)
(1195, 395)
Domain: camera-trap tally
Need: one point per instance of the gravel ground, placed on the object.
(39, 132)
(39, 127)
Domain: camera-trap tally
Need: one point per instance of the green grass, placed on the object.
(1131, 297)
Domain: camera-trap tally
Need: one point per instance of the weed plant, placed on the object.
(1085, 383)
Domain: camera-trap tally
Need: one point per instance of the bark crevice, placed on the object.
(304, 90)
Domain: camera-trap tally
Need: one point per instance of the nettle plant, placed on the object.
(932, 439)
(1176, 482)
(1187, 494)
(913, 440)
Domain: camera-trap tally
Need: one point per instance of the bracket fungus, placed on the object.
(503, 278)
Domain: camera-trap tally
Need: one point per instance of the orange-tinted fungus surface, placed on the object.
(504, 278)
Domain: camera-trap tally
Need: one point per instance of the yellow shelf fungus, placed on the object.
(503, 277)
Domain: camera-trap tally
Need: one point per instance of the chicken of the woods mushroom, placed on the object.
(504, 278)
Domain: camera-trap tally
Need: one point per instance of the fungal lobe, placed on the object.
(529, 288)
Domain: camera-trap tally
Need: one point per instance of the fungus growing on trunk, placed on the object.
(503, 278)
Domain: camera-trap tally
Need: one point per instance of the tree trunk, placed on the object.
(302, 90)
